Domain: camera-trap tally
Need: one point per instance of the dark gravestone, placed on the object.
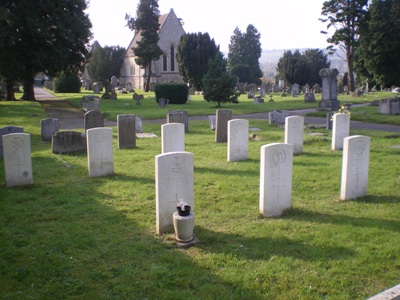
(221, 128)
(126, 131)
(93, 119)
(68, 142)
(48, 128)
(178, 116)
(8, 130)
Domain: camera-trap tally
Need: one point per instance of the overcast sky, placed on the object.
(283, 24)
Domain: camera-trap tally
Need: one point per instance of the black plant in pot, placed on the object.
(183, 209)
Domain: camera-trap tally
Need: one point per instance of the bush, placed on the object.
(67, 82)
(176, 93)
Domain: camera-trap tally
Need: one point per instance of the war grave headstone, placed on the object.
(355, 166)
(221, 128)
(238, 140)
(294, 131)
(275, 179)
(48, 127)
(174, 180)
(178, 116)
(329, 100)
(17, 159)
(100, 152)
(93, 119)
(68, 142)
(340, 130)
(126, 127)
(8, 130)
(172, 137)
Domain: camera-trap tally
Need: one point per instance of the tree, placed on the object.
(346, 17)
(219, 85)
(105, 63)
(244, 53)
(378, 52)
(316, 60)
(293, 67)
(146, 24)
(51, 36)
(195, 50)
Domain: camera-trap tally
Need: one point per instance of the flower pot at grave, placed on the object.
(183, 211)
(183, 226)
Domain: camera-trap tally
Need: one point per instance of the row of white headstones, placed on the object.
(174, 176)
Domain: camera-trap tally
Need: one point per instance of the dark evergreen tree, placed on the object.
(316, 60)
(346, 16)
(105, 63)
(293, 68)
(244, 53)
(147, 25)
(219, 85)
(378, 52)
(41, 36)
(195, 50)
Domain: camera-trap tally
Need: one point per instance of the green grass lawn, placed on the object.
(69, 236)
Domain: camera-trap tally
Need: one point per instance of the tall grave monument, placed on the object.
(329, 100)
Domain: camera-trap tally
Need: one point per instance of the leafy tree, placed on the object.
(346, 17)
(244, 53)
(146, 24)
(41, 36)
(219, 85)
(67, 82)
(378, 52)
(195, 50)
(316, 60)
(105, 63)
(293, 67)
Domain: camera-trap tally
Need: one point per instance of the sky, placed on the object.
(282, 24)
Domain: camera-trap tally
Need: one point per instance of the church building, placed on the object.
(164, 69)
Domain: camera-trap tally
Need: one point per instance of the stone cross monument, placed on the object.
(329, 100)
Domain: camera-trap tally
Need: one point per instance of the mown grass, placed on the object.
(71, 236)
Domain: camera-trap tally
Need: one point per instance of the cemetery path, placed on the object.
(72, 118)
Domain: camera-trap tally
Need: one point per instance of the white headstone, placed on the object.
(238, 140)
(100, 151)
(275, 179)
(172, 137)
(17, 159)
(294, 126)
(355, 167)
(174, 183)
(340, 130)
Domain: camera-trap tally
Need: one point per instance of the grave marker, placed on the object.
(93, 119)
(355, 166)
(238, 131)
(126, 127)
(172, 137)
(221, 128)
(100, 152)
(8, 130)
(17, 159)
(48, 128)
(178, 117)
(68, 142)
(340, 130)
(275, 179)
(294, 126)
(174, 173)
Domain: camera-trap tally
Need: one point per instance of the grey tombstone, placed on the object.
(8, 130)
(277, 116)
(128, 86)
(221, 128)
(114, 81)
(172, 137)
(137, 98)
(90, 103)
(309, 97)
(295, 90)
(329, 100)
(211, 121)
(355, 166)
(294, 131)
(317, 88)
(17, 159)
(178, 116)
(96, 88)
(389, 106)
(238, 140)
(93, 119)
(174, 172)
(138, 124)
(162, 102)
(49, 127)
(275, 179)
(68, 142)
(340, 130)
(126, 127)
(100, 152)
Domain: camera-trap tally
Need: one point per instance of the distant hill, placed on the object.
(269, 59)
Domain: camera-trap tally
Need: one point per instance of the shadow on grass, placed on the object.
(267, 247)
(300, 214)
